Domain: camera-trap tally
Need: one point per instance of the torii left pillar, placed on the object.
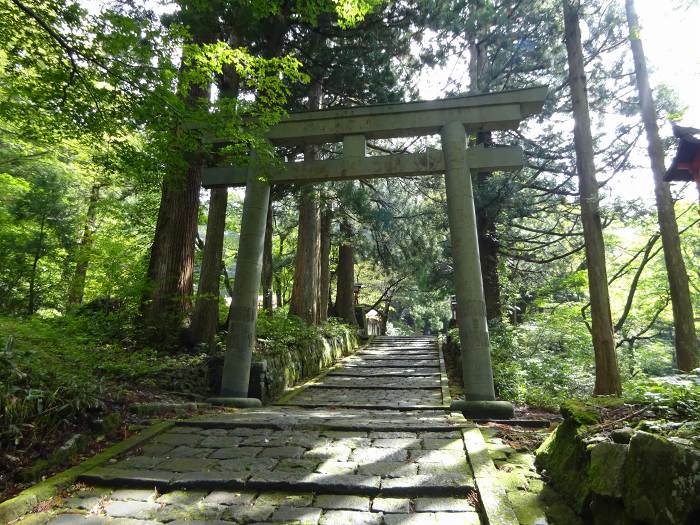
(240, 340)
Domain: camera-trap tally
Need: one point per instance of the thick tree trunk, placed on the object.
(171, 265)
(167, 298)
(607, 381)
(303, 302)
(205, 318)
(488, 254)
(31, 306)
(266, 278)
(307, 278)
(77, 287)
(325, 271)
(686, 338)
(344, 296)
(485, 211)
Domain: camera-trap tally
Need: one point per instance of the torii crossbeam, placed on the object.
(452, 118)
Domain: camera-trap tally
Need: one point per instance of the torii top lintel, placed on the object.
(352, 126)
(486, 112)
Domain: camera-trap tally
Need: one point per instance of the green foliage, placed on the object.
(280, 334)
(64, 371)
(670, 397)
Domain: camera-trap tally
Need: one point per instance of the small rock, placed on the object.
(622, 435)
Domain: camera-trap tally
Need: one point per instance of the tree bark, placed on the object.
(485, 211)
(607, 380)
(31, 307)
(205, 318)
(488, 254)
(305, 290)
(167, 298)
(77, 287)
(266, 278)
(345, 274)
(325, 270)
(686, 338)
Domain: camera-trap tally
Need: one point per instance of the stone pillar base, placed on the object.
(235, 402)
(483, 409)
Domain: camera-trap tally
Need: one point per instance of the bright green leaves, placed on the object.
(350, 12)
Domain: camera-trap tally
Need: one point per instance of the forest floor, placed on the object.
(43, 457)
(67, 387)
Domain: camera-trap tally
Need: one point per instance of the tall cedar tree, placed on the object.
(684, 324)
(167, 298)
(607, 376)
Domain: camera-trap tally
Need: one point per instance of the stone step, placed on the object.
(228, 507)
(366, 397)
(390, 364)
(414, 383)
(361, 406)
(399, 355)
(368, 371)
(333, 419)
(366, 462)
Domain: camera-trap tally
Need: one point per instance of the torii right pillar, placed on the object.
(480, 399)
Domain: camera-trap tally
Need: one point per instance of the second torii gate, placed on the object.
(452, 118)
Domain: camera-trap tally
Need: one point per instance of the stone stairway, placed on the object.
(369, 442)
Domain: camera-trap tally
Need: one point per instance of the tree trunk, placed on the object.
(77, 287)
(686, 338)
(488, 254)
(167, 297)
(31, 307)
(485, 211)
(607, 381)
(344, 296)
(303, 302)
(205, 318)
(266, 278)
(325, 271)
(305, 290)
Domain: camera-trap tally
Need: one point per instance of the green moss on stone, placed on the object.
(662, 480)
(528, 507)
(579, 412)
(565, 457)
(606, 471)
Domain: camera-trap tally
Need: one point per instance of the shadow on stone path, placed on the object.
(370, 442)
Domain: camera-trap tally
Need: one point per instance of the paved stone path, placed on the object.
(370, 442)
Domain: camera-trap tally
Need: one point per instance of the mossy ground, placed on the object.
(534, 502)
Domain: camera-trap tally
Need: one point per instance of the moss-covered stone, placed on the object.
(662, 481)
(606, 471)
(579, 412)
(289, 368)
(528, 507)
(607, 511)
(111, 424)
(565, 457)
(557, 510)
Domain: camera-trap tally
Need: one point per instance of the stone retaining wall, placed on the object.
(637, 477)
(286, 369)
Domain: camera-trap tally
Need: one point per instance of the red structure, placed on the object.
(686, 166)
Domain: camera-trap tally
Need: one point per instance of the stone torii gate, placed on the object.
(452, 118)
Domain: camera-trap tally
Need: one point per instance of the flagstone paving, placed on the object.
(371, 442)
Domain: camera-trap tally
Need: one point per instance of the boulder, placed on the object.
(662, 481)
(565, 458)
(606, 470)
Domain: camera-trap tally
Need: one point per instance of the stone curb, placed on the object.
(29, 498)
(296, 390)
(497, 508)
(444, 383)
